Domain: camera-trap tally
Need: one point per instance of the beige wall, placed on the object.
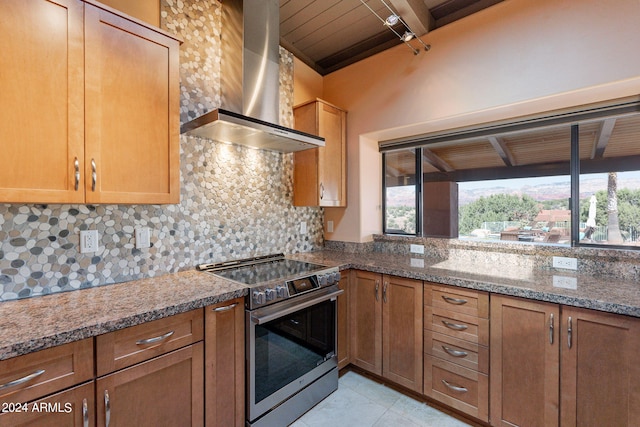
(518, 57)
(307, 84)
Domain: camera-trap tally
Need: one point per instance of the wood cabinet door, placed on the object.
(343, 321)
(74, 407)
(600, 382)
(42, 109)
(365, 299)
(331, 157)
(132, 119)
(165, 391)
(402, 331)
(224, 364)
(524, 362)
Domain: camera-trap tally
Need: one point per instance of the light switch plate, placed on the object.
(88, 241)
(303, 227)
(329, 226)
(143, 237)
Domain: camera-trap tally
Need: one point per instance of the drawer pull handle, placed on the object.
(454, 301)
(76, 166)
(384, 292)
(455, 388)
(107, 409)
(455, 353)
(155, 340)
(569, 331)
(454, 326)
(85, 413)
(377, 287)
(22, 380)
(551, 329)
(225, 308)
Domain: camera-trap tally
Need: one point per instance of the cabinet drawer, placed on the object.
(119, 349)
(458, 387)
(67, 408)
(473, 303)
(457, 325)
(32, 376)
(454, 350)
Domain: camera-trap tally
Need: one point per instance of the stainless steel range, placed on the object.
(290, 313)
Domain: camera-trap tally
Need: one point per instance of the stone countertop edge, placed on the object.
(32, 324)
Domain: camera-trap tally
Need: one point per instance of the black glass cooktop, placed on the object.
(267, 271)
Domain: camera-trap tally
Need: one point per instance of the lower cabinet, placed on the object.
(556, 365)
(166, 390)
(224, 364)
(152, 374)
(386, 327)
(456, 337)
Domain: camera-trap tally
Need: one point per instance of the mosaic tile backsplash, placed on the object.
(235, 202)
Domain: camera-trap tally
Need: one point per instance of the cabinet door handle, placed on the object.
(377, 287)
(321, 191)
(225, 308)
(22, 380)
(551, 329)
(94, 175)
(454, 388)
(155, 340)
(85, 413)
(455, 353)
(76, 166)
(454, 301)
(569, 331)
(107, 409)
(384, 292)
(454, 326)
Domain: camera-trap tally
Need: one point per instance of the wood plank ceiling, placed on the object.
(330, 34)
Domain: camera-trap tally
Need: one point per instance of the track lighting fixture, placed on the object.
(392, 20)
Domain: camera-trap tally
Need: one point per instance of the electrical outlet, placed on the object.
(416, 249)
(143, 238)
(303, 227)
(566, 263)
(88, 241)
(565, 282)
(329, 226)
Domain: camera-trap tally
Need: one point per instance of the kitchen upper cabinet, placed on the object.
(42, 109)
(224, 364)
(131, 103)
(320, 174)
(386, 327)
(600, 373)
(106, 93)
(524, 362)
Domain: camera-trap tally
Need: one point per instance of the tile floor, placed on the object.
(360, 402)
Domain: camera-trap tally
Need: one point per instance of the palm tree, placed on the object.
(613, 227)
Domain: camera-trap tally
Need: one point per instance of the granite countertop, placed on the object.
(551, 285)
(37, 323)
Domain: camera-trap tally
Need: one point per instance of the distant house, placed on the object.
(553, 215)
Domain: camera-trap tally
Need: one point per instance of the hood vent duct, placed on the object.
(250, 79)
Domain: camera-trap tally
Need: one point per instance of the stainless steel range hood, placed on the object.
(250, 79)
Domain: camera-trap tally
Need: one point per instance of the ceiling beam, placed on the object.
(603, 137)
(436, 161)
(503, 151)
(416, 14)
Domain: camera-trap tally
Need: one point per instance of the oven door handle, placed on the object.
(259, 320)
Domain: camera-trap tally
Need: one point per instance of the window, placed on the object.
(400, 192)
(571, 178)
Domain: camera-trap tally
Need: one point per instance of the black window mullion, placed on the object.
(575, 186)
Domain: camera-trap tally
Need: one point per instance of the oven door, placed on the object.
(289, 345)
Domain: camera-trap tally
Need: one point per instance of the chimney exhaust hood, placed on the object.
(250, 80)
